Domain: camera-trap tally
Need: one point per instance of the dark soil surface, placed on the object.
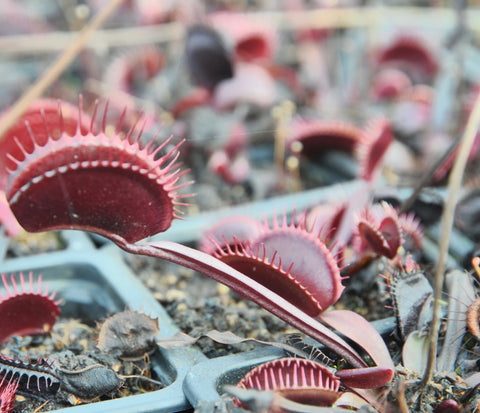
(72, 346)
(198, 304)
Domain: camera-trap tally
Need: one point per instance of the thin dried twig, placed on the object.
(55, 70)
(454, 183)
(39, 408)
(402, 401)
(282, 115)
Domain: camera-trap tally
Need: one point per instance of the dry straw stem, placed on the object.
(454, 183)
(402, 401)
(441, 18)
(56, 69)
(282, 115)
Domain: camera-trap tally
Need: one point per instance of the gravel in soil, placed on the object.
(34, 243)
(72, 346)
(198, 304)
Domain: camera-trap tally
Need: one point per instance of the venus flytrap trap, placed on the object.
(25, 309)
(302, 380)
(410, 54)
(311, 137)
(61, 166)
(295, 262)
(126, 191)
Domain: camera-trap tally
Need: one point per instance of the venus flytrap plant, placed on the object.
(24, 309)
(388, 84)
(51, 74)
(372, 146)
(300, 380)
(40, 119)
(209, 63)
(291, 260)
(8, 389)
(311, 137)
(341, 219)
(378, 229)
(461, 296)
(411, 55)
(294, 261)
(222, 82)
(126, 192)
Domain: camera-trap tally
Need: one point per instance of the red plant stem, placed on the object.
(247, 288)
